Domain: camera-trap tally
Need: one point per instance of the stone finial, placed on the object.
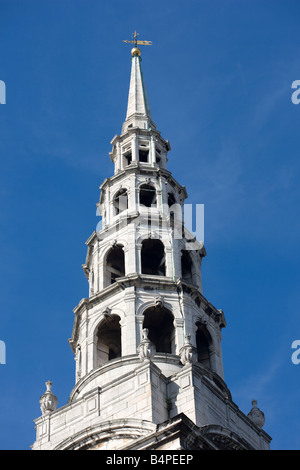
(256, 415)
(146, 348)
(48, 400)
(188, 353)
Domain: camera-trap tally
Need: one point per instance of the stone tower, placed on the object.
(147, 343)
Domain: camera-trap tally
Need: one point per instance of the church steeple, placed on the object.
(146, 342)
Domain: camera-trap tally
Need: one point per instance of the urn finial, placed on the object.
(188, 353)
(256, 415)
(48, 400)
(146, 348)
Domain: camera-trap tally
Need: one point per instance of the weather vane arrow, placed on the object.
(137, 42)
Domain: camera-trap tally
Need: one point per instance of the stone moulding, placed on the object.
(130, 428)
(163, 282)
(117, 363)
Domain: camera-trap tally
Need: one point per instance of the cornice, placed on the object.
(147, 282)
(142, 168)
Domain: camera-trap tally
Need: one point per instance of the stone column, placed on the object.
(120, 157)
(128, 325)
(96, 267)
(138, 247)
(152, 149)
(134, 148)
(139, 320)
(131, 261)
(169, 260)
(126, 260)
(86, 360)
(101, 273)
(176, 256)
(179, 328)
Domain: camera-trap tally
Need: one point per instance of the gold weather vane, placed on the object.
(137, 42)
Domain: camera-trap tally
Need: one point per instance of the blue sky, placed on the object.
(219, 78)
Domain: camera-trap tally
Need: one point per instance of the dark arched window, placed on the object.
(203, 343)
(186, 267)
(127, 157)
(120, 201)
(147, 195)
(143, 155)
(153, 257)
(159, 322)
(115, 264)
(171, 199)
(108, 340)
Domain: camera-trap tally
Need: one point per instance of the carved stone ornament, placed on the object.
(107, 312)
(256, 415)
(48, 401)
(188, 353)
(159, 301)
(146, 348)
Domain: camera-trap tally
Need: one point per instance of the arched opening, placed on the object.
(153, 257)
(108, 339)
(127, 157)
(120, 201)
(186, 267)
(147, 195)
(171, 199)
(171, 205)
(157, 155)
(159, 322)
(115, 264)
(143, 155)
(203, 343)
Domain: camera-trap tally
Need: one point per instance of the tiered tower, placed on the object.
(147, 343)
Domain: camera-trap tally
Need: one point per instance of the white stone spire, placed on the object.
(138, 109)
(137, 98)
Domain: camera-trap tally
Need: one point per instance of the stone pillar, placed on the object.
(129, 342)
(214, 359)
(169, 260)
(96, 267)
(138, 247)
(152, 150)
(86, 355)
(134, 148)
(176, 256)
(131, 261)
(179, 328)
(120, 165)
(139, 320)
(126, 260)
(101, 275)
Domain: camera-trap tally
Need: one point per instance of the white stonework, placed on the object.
(146, 342)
